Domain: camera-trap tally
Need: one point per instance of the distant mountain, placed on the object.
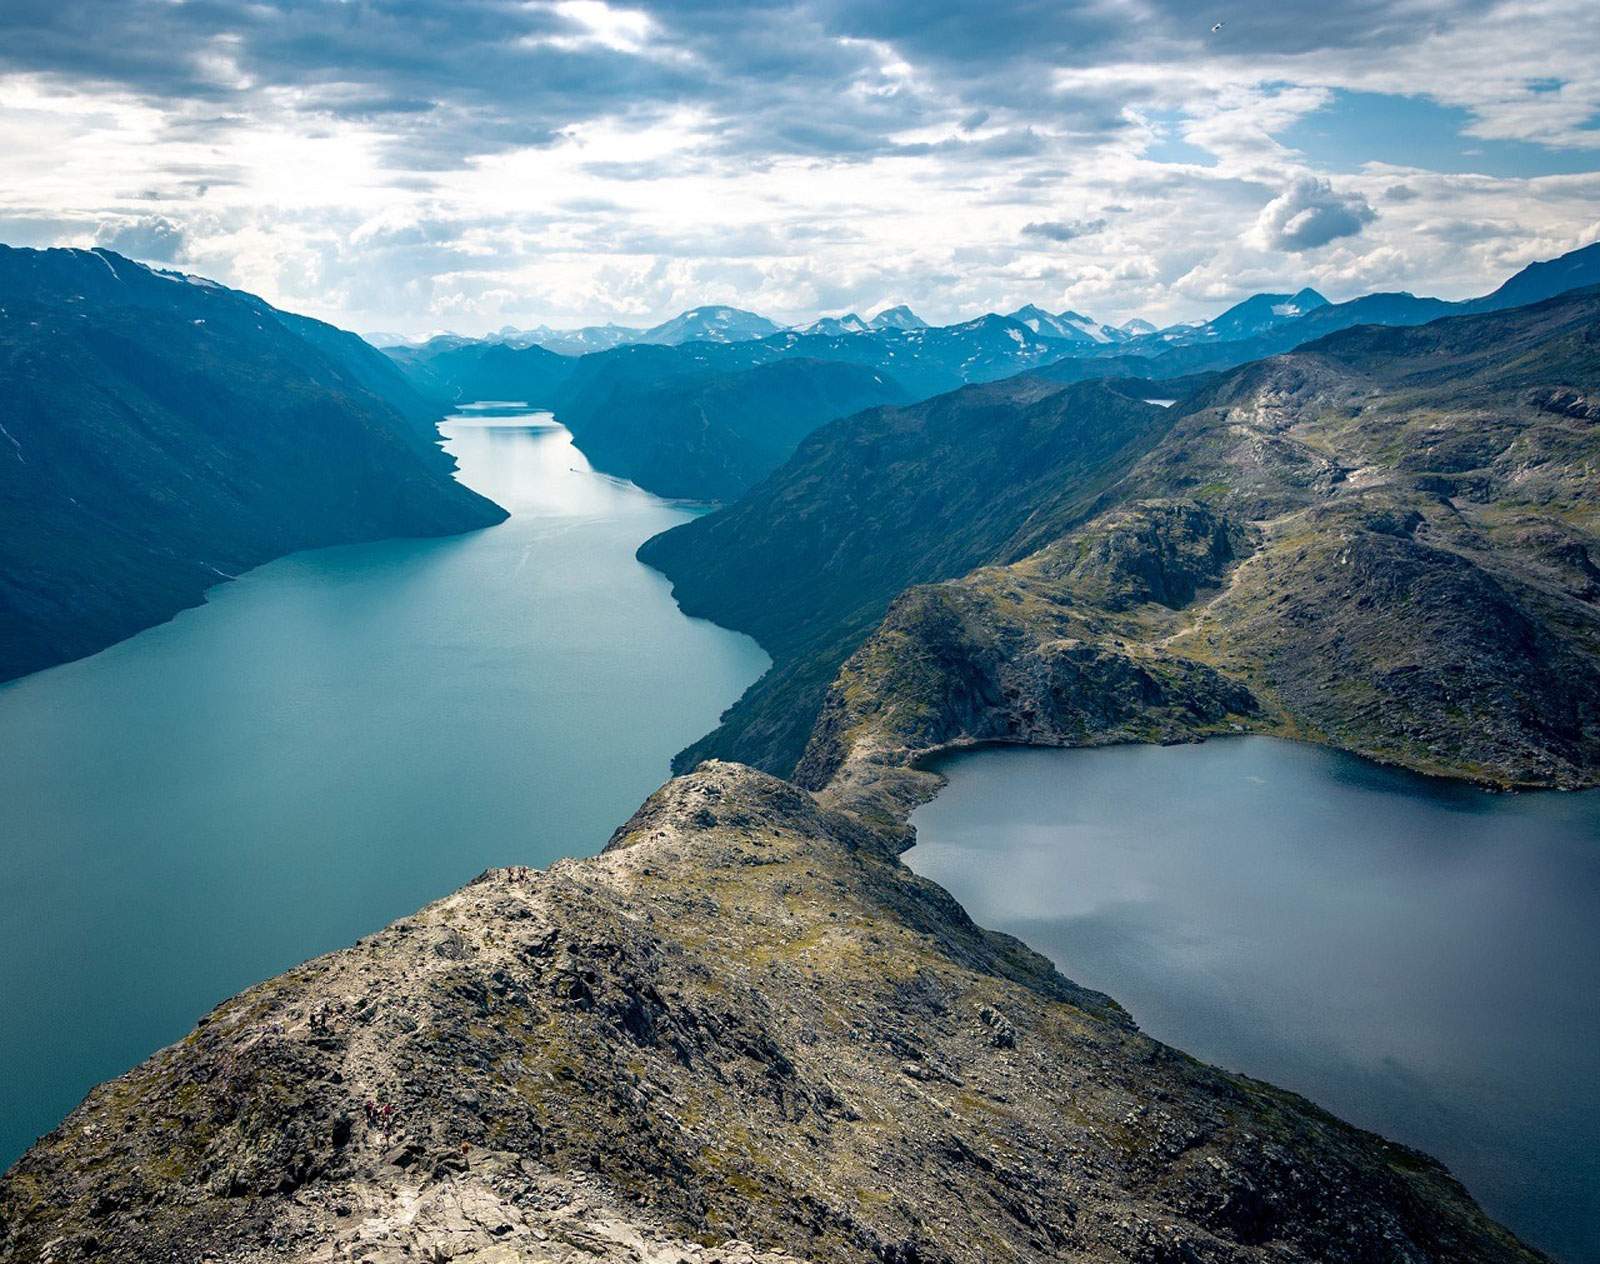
(710, 324)
(835, 326)
(1537, 281)
(383, 339)
(454, 370)
(570, 341)
(699, 324)
(160, 433)
(920, 360)
(1261, 312)
(1135, 327)
(706, 434)
(1184, 350)
(1047, 325)
(1067, 326)
(901, 317)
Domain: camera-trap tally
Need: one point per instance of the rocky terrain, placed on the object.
(1386, 541)
(809, 560)
(160, 434)
(746, 1032)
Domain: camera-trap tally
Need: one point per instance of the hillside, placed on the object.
(1452, 459)
(808, 561)
(746, 1032)
(709, 435)
(1386, 541)
(160, 434)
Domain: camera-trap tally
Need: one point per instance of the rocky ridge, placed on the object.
(1386, 542)
(746, 1032)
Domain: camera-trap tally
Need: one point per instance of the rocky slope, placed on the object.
(744, 1032)
(1386, 541)
(159, 434)
(808, 561)
(1412, 522)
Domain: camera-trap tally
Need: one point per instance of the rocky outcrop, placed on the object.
(1386, 543)
(744, 1033)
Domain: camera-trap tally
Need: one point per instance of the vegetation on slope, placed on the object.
(1386, 541)
(810, 559)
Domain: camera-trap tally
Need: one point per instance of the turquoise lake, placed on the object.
(329, 743)
(1420, 957)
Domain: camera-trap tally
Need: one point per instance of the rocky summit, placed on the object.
(746, 1032)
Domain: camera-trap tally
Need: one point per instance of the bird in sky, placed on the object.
(1217, 27)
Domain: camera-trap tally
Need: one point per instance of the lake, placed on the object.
(327, 744)
(1420, 957)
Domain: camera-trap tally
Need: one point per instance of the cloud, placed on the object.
(153, 238)
(1062, 230)
(1310, 213)
(400, 164)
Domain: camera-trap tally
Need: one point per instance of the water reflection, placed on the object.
(1420, 956)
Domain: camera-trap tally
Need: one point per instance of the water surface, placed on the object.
(1420, 957)
(328, 743)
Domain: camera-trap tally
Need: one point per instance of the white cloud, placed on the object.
(1310, 213)
(627, 161)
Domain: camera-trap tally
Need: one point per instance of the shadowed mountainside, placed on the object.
(159, 434)
(807, 562)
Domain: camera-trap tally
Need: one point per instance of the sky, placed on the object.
(412, 166)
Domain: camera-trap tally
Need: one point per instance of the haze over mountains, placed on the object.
(689, 375)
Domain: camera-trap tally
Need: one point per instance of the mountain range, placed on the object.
(1254, 317)
(747, 1033)
(1395, 529)
(685, 403)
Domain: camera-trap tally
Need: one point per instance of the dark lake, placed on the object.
(1420, 957)
(329, 743)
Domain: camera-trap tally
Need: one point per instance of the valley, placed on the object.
(323, 745)
(1382, 543)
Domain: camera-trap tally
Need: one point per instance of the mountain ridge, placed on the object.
(810, 604)
(158, 434)
(744, 1032)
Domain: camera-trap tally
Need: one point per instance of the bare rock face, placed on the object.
(746, 1033)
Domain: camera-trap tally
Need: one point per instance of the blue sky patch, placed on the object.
(1361, 127)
